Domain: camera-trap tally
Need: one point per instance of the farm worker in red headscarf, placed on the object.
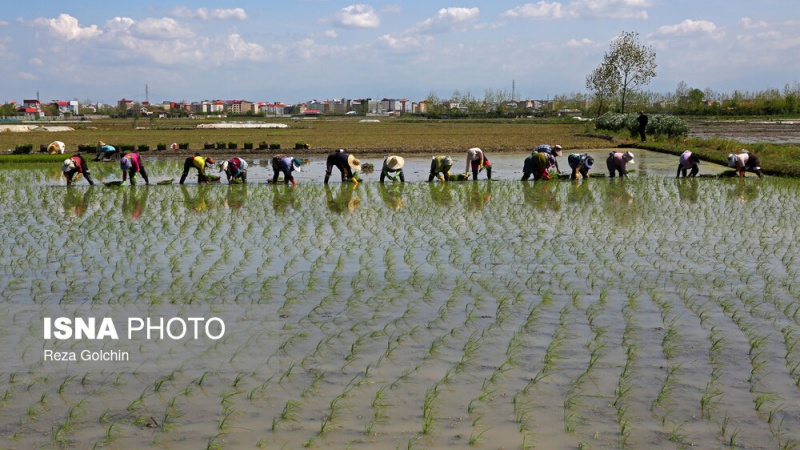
(477, 161)
(745, 161)
(688, 160)
(131, 164)
(617, 161)
(76, 165)
(200, 163)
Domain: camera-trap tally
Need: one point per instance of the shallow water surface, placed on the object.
(640, 312)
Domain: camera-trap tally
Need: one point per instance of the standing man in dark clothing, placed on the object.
(642, 119)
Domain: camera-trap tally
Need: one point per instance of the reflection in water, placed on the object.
(541, 195)
(284, 199)
(441, 194)
(392, 195)
(133, 202)
(236, 195)
(687, 190)
(479, 195)
(617, 192)
(75, 202)
(344, 201)
(745, 191)
(579, 192)
(196, 202)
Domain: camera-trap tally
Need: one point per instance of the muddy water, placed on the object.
(646, 312)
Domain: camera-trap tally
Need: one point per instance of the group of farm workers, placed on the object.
(543, 160)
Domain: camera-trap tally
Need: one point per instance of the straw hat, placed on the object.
(354, 163)
(589, 162)
(395, 162)
(556, 150)
(223, 167)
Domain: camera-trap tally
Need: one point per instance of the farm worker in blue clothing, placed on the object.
(688, 160)
(234, 168)
(477, 161)
(200, 163)
(440, 168)
(745, 161)
(346, 163)
(617, 161)
(538, 164)
(286, 165)
(76, 165)
(393, 165)
(580, 163)
(104, 151)
(131, 164)
(555, 151)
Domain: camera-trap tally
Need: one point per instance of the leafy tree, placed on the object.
(632, 64)
(603, 82)
(8, 110)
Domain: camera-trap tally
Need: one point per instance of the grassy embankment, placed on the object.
(324, 135)
(386, 136)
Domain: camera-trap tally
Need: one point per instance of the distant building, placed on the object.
(125, 104)
(31, 109)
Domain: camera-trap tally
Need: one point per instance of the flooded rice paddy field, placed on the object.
(646, 312)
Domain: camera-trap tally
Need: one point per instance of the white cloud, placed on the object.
(165, 28)
(748, 23)
(692, 27)
(357, 16)
(35, 62)
(540, 10)
(580, 43)
(449, 19)
(405, 42)
(67, 27)
(582, 9)
(27, 76)
(206, 14)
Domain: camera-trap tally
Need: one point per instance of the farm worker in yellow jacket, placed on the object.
(76, 165)
(477, 161)
(200, 163)
(440, 168)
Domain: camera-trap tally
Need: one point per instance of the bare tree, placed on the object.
(633, 63)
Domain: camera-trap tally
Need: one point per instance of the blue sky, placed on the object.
(298, 50)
